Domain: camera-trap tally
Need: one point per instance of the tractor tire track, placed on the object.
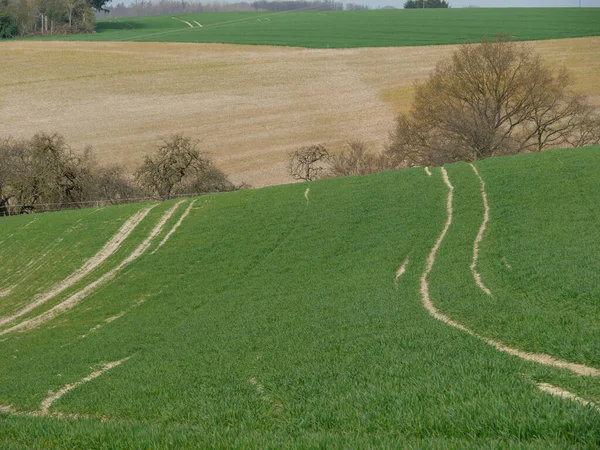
(177, 224)
(540, 358)
(479, 237)
(102, 255)
(54, 396)
(560, 392)
(74, 299)
(44, 410)
(400, 271)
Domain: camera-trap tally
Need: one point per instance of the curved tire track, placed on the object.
(479, 237)
(102, 255)
(74, 299)
(174, 228)
(540, 358)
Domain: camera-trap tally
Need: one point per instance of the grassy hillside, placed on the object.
(279, 317)
(341, 29)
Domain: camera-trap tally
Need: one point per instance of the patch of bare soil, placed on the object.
(54, 396)
(184, 21)
(276, 405)
(400, 271)
(560, 392)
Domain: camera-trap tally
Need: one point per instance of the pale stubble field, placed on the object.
(249, 105)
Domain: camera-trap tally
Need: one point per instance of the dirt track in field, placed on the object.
(103, 254)
(78, 296)
(428, 304)
(249, 104)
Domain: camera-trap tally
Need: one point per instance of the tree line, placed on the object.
(43, 173)
(150, 8)
(41, 17)
(413, 4)
(491, 99)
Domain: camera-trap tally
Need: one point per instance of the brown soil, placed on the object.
(250, 105)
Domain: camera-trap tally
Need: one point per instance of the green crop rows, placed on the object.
(270, 321)
(341, 29)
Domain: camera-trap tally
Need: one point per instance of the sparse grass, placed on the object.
(346, 29)
(256, 285)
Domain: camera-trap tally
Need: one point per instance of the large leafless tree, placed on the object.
(490, 99)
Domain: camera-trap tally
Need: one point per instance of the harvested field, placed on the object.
(249, 105)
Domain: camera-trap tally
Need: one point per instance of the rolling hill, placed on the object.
(438, 307)
(349, 29)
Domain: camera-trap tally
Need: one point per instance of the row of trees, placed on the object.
(496, 98)
(413, 4)
(43, 173)
(149, 8)
(36, 17)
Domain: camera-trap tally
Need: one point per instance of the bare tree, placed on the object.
(489, 99)
(357, 160)
(211, 179)
(43, 170)
(307, 163)
(177, 157)
(559, 116)
(111, 186)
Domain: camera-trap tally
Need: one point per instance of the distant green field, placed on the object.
(277, 318)
(340, 29)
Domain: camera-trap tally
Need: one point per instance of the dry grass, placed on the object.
(250, 105)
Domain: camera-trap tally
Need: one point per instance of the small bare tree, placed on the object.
(357, 160)
(110, 185)
(490, 99)
(211, 179)
(307, 163)
(177, 157)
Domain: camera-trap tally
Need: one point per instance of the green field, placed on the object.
(341, 29)
(273, 317)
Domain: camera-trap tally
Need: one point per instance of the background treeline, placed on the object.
(38, 17)
(149, 8)
(44, 174)
(411, 4)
